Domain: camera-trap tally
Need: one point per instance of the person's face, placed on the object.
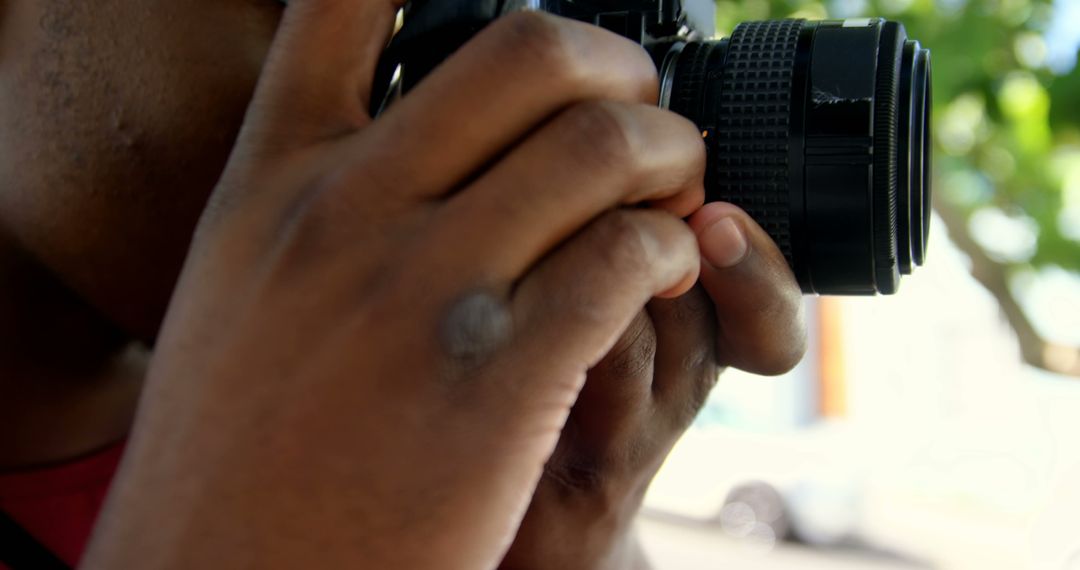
(116, 118)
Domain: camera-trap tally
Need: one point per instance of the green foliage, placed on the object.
(1007, 129)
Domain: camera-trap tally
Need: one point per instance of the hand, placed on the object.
(642, 396)
(382, 324)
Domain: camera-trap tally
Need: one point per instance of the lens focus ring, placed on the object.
(750, 148)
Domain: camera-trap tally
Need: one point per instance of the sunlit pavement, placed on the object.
(672, 545)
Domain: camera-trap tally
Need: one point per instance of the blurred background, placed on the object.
(940, 427)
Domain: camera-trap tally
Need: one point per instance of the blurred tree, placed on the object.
(1006, 132)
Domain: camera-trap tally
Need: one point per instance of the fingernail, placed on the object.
(723, 243)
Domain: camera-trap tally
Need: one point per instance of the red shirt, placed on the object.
(58, 505)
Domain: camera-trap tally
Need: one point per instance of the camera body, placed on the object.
(435, 28)
(819, 130)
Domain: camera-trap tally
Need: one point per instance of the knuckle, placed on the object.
(578, 477)
(603, 135)
(635, 361)
(624, 243)
(695, 148)
(541, 42)
(575, 58)
(692, 311)
(648, 76)
(684, 240)
(633, 354)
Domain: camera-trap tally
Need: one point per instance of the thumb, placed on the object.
(761, 325)
(317, 79)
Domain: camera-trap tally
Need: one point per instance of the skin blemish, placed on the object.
(475, 327)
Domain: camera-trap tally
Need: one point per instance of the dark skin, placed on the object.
(127, 111)
(109, 101)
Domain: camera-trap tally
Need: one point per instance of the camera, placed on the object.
(820, 130)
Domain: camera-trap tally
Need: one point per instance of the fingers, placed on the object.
(579, 300)
(317, 77)
(514, 74)
(590, 158)
(617, 391)
(759, 309)
(685, 360)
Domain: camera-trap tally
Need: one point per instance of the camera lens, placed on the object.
(821, 132)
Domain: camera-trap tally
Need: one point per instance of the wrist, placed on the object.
(572, 530)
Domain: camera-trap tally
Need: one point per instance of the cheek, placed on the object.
(179, 84)
(127, 126)
(175, 108)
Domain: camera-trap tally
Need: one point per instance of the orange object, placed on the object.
(831, 377)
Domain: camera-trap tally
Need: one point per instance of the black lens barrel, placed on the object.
(820, 130)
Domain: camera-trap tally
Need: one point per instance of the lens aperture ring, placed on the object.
(688, 85)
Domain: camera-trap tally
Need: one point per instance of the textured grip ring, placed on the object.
(750, 146)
